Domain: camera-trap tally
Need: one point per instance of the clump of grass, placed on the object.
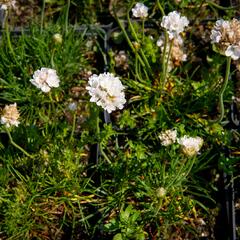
(142, 172)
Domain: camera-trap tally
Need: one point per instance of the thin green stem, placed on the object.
(52, 58)
(73, 125)
(131, 26)
(67, 15)
(137, 40)
(137, 71)
(129, 42)
(8, 36)
(16, 145)
(51, 105)
(50, 97)
(146, 61)
(163, 58)
(227, 73)
(160, 8)
(42, 15)
(143, 22)
(165, 63)
(100, 144)
(104, 155)
(221, 7)
(160, 201)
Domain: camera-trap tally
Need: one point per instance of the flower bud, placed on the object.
(57, 38)
(161, 192)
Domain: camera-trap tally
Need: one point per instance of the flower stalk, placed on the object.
(160, 8)
(42, 15)
(166, 61)
(144, 58)
(8, 35)
(73, 126)
(16, 145)
(225, 83)
(67, 15)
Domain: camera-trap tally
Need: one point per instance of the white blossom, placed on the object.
(121, 60)
(190, 145)
(10, 115)
(220, 26)
(106, 91)
(45, 79)
(233, 51)
(174, 24)
(226, 36)
(177, 54)
(176, 41)
(168, 137)
(161, 192)
(72, 106)
(57, 38)
(7, 4)
(140, 11)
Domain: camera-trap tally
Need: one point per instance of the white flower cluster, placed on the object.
(7, 4)
(57, 38)
(121, 60)
(168, 137)
(174, 24)
(45, 79)
(106, 91)
(190, 145)
(140, 11)
(177, 54)
(10, 115)
(161, 192)
(226, 34)
(220, 26)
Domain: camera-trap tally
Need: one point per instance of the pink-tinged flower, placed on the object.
(174, 24)
(168, 137)
(140, 11)
(7, 4)
(106, 91)
(10, 115)
(45, 79)
(190, 145)
(226, 36)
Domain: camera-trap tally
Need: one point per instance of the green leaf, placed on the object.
(118, 237)
(124, 215)
(140, 236)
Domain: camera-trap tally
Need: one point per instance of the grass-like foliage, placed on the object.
(139, 158)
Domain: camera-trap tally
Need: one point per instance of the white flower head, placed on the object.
(121, 60)
(190, 145)
(233, 51)
(226, 36)
(219, 27)
(177, 54)
(106, 91)
(57, 38)
(168, 137)
(176, 41)
(45, 79)
(174, 24)
(140, 11)
(7, 4)
(161, 192)
(10, 115)
(72, 106)
(160, 41)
